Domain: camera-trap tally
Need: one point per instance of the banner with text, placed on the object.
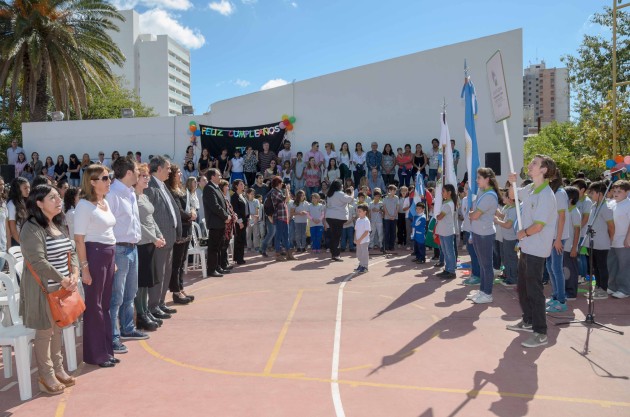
(231, 138)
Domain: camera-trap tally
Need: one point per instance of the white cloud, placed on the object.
(294, 4)
(162, 4)
(277, 82)
(224, 7)
(160, 22)
(242, 83)
(249, 1)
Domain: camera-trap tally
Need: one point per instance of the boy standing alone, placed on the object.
(362, 230)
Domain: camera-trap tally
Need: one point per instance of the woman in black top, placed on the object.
(180, 249)
(419, 162)
(205, 162)
(74, 168)
(60, 170)
(222, 163)
(240, 206)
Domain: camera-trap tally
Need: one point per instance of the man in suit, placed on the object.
(168, 220)
(217, 216)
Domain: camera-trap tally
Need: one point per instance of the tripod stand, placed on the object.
(589, 320)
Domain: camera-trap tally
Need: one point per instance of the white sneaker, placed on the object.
(600, 294)
(610, 292)
(581, 279)
(482, 298)
(497, 272)
(472, 294)
(619, 294)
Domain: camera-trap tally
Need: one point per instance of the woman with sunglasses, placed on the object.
(95, 243)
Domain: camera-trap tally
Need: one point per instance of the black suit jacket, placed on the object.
(215, 207)
(239, 205)
(162, 214)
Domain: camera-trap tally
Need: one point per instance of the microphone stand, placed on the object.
(589, 320)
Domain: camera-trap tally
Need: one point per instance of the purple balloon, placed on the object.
(282, 125)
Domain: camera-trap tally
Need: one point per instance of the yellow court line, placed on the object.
(61, 407)
(356, 368)
(283, 333)
(602, 403)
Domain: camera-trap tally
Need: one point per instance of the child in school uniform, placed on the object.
(253, 231)
(376, 221)
(506, 225)
(619, 255)
(347, 234)
(299, 212)
(362, 230)
(404, 226)
(390, 218)
(445, 228)
(604, 228)
(316, 214)
(571, 248)
(418, 231)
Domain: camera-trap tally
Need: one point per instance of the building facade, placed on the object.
(545, 97)
(156, 67)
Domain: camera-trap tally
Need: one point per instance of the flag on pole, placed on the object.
(446, 168)
(419, 193)
(472, 154)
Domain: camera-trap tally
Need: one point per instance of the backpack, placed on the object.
(269, 209)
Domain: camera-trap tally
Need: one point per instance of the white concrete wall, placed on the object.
(396, 101)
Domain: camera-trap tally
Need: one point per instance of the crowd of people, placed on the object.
(126, 226)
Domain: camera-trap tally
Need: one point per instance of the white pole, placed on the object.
(509, 152)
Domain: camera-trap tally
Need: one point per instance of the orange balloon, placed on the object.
(192, 128)
(618, 158)
(290, 128)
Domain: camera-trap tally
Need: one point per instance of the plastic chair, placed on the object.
(4, 299)
(18, 337)
(16, 252)
(199, 252)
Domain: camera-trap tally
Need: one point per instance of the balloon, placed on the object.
(192, 128)
(288, 124)
(292, 119)
(290, 128)
(193, 123)
(197, 132)
(610, 163)
(618, 158)
(285, 117)
(627, 160)
(282, 125)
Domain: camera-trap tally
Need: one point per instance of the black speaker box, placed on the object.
(493, 160)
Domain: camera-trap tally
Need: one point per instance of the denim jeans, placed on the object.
(556, 273)
(310, 191)
(483, 248)
(316, 237)
(74, 182)
(282, 235)
(497, 255)
(124, 291)
(510, 261)
(447, 248)
(291, 233)
(347, 238)
(404, 177)
(432, 174)
(419, 249)
(300, 235)
(271, 231)
(583, 265)
(474, 262)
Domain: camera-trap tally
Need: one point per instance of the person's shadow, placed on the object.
(412, 294)
(457, 324)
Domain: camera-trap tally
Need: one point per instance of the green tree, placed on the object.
(560, 140)
(107, 103)
(58, 49)
(590, 70)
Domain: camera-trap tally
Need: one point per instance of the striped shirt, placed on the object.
(57, 249)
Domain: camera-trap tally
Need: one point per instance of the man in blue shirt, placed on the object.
(374, 158)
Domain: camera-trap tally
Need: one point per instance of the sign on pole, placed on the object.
(498, 88)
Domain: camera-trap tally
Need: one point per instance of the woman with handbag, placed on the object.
(49, 261)
(96, 246)
(180, 249)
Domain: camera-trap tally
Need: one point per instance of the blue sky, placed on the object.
(240, 46)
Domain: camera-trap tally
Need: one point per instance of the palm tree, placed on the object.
(56, 49)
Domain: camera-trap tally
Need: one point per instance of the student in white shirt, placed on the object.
(619, 255)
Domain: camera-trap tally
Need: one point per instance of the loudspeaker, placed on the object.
(7, 172)
(493, 160)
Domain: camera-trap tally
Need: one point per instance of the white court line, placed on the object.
(334, 376)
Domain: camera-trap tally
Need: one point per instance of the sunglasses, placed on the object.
(104, 178)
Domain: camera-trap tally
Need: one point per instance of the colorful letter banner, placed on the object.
(217, 138)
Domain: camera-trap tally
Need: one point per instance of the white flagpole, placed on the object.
(511, 162)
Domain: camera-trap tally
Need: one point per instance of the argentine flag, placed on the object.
(418, 194)
(472, 154)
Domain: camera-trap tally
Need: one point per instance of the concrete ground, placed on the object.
(307, 338)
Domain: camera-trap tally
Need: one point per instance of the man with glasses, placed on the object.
(101, 158)
(217, 215)
(124, 206)
(317, 154)
(170, 224)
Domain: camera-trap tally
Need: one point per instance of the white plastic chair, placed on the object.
(4, 301)
(199, 252)
(68, 332)
(16, 252)
(18, 337)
